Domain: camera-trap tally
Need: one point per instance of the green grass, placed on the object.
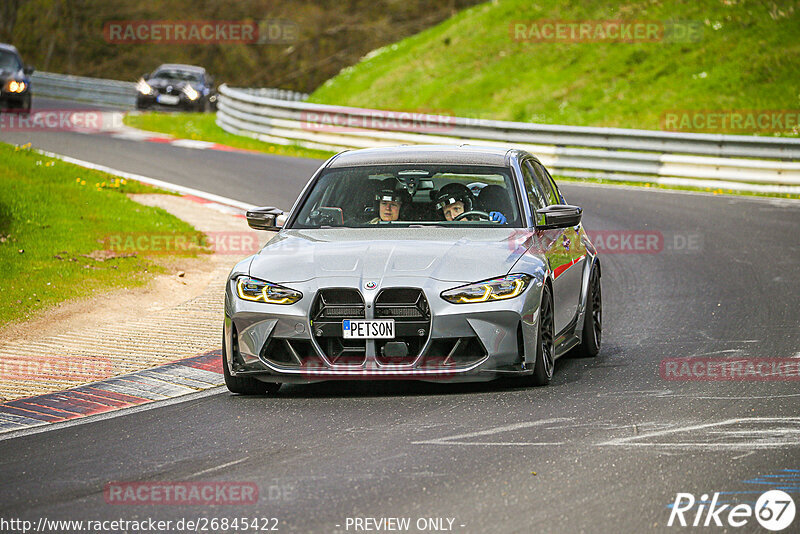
(54, 217)
(747, 57)
(201, 127)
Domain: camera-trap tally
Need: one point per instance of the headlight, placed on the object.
(505, 287)
(190, 93)
(13, 86)
(260, 291)
(144, 87)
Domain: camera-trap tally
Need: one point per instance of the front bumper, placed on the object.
(184, 104)
(15, 100)
(464, 342)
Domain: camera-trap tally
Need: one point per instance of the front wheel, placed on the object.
(592, 318)
(245, 385)
(545, 351)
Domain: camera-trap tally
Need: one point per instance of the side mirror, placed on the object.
(27, 69)
(146, 76)
(266, 218)
(558, 216)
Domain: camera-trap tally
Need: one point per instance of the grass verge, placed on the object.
(201, 127)
(740, 55)
(54, 219)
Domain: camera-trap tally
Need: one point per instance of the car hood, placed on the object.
(447, 254)
(6, 75)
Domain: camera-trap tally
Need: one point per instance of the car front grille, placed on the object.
(409, 309)
(170, 90)
(329, 308)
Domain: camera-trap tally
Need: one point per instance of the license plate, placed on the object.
(170, 100)
(368, 329)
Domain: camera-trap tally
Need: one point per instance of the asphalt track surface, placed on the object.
(605, 448)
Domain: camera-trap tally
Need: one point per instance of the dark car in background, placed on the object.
(174, 86)
(15, 81)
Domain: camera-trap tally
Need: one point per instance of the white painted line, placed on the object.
(217, 468)
(191, 143)
(151, 181)
(452, 440)
(772, 437)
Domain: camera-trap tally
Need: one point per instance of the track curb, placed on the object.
(174, 379)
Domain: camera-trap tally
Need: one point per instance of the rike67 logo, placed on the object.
(774, 510)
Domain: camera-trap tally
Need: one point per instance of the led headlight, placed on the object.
(190, 93)
(505, 287)
(260, 291)
(13, 86)
(144, 87)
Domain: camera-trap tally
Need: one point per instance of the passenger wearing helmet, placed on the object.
(390, 200)
(454, 199)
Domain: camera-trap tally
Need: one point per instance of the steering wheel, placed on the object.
(482, 215)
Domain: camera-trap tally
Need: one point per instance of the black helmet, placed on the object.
(390, 190)
(452, 193)
(495, 198)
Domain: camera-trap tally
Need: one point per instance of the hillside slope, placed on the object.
(745, 55)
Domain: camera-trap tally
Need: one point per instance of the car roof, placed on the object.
(423, 154)
(179, 66)
(9, 48)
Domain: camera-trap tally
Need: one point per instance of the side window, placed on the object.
(534, 195)
(553, 183)
(545, 182)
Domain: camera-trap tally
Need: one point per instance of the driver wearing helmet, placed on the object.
(390, 201)
(455, 199)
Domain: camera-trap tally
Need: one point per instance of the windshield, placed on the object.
(9, 61)
(410, 195)
(181, 75)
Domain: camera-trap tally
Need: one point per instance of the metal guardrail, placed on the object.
(704, 160)
(115, 92)
(96, 90)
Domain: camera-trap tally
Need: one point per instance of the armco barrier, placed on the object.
(705, 160)
(97, 90)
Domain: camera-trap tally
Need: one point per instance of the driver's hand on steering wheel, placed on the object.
(496, 216)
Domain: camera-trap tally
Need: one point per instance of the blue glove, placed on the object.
(496, 216)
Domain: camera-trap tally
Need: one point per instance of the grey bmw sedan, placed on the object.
(439, 263)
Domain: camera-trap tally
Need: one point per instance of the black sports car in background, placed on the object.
(15, 81)
(173, 86)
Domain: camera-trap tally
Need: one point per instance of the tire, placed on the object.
(245, 385)
(545, 351)
(592, 318)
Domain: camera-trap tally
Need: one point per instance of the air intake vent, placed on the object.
(331, 306)
(409, 309)
(338, 304)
